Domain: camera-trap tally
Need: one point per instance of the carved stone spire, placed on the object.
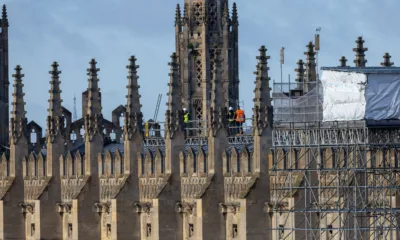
(217, 96)
(186, 14)
(94, 98)
(94, 118)
(225, 17)
(18, 119)
(262, 100)
(133, 116)
(55, 120)
(386, 60)
(217, 108)
(4, 19)
(360, 60)
(300, 74)
(343, 61)
(178, 15)
(174, 119)
(235, 14)
(311, 73)
(261, 90)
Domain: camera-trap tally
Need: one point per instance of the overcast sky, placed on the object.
(74, 31)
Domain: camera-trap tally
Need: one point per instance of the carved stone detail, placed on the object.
(71, 187)
(217, 120)
(110, 187)
(5, 185)
(186, 207)
(27, 207)
(151, 187)
(133, 124)
(284, 180)
(102, 207)
(143, 207)
(64, 208)
(262, 119)
(93, 125)
(194, 187)
(55, 127)
(34, 187)
(238, 187)
(174, 122)
(229, 208)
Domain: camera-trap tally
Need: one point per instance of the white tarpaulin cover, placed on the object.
(383, 96)
(343, 95)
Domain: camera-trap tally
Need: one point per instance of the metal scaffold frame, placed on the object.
(196, 134)
(333, 180)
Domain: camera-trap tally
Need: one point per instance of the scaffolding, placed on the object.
(330, 180)
(196, 133)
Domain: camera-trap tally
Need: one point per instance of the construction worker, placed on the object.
(185, 119)
(240, 118)
(231, 120)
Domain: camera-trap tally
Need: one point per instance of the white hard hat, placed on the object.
(184, 109)
(230, 108)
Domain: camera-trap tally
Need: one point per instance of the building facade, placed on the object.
(94, 178)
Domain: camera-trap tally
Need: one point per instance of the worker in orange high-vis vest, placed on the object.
(240, 118)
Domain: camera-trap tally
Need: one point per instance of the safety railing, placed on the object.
(196, 132)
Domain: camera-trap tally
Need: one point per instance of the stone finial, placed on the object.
(174, 120)
(186, 13)
(261, 90)
(18, 119)
(205, 15)
(225, 17)
(360, 60)
(311, 75)
(300, 71)
(4, 19)
(174, 95)
(94, 97)
(217, 96)
(235, 14)
(262, 100)
(133, 115)
(18, 103)
(343, 61)
(218, 101)
(133, 98)
(178, 15)
(386, 60)
(93, 118)
(55, 100)
(55, 120)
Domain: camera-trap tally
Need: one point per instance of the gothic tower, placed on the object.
(4, 98)
(205, 28)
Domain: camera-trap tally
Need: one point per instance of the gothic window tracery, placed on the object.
(199, 69)
(212, 61)
(212, 15)
(197, 13)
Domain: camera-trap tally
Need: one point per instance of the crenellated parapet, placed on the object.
(239, 177)
(73, 178)
(35, 177)
(195, 177)
(112, 177)
(284, 186)
(152, 175)
(5, 179)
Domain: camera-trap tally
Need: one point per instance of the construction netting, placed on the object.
(340, 95)
(290, 106)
